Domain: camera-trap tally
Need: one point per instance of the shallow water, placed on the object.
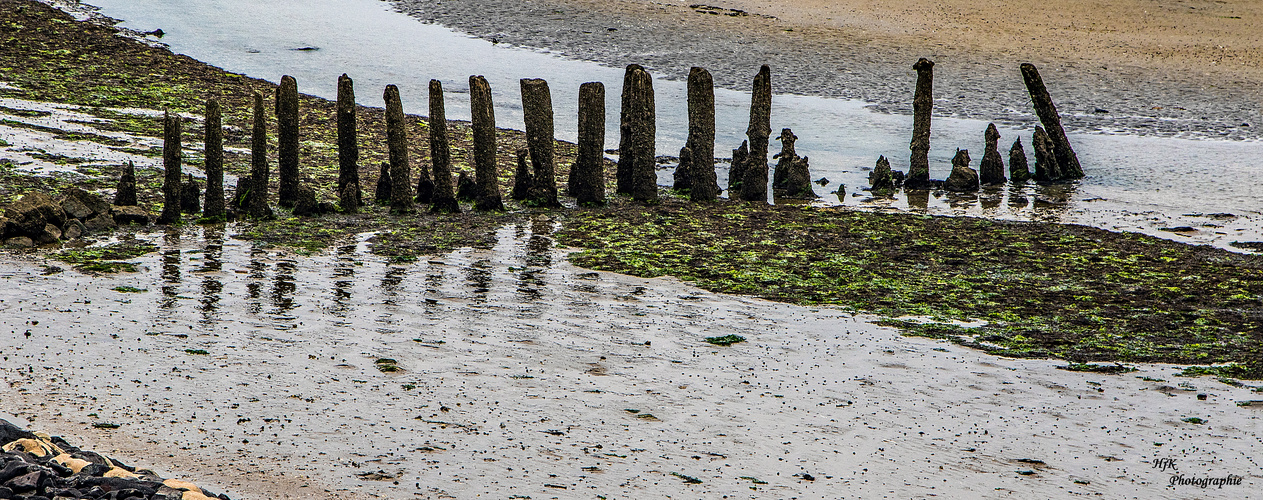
(1133, 183)
(523, 375)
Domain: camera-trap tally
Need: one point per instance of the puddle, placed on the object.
(519, 374)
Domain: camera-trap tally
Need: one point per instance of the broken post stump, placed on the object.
(963, 179)
(466, 188)
(736, 172)
(587, 175)
(626, 120)
(383, 192)
(537, 109)
(397, 142)
(1067, 160)
(483, 119)
(881, 179)
(349, 193)
(125, 195)
(443, 200)
(1046, 167)
(754, 181)
(680, 179)
(287, 141)
(171, 156)
(991, 169)
(257, 198)
(214, 154)
(1018, 169)
(190, 196)
(787, 156)
(922, 108)
(521, 177)
(701, 139)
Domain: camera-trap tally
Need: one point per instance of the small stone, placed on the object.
(19, 242)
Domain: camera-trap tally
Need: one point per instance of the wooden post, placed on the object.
(484, 127)
(214, 153)
(171, 182)
(287, 140)
(397, 141)
(384, 191)
(626, 120)
(587, 175)
(1067, 160)
(350, 195)
(754, 183)
(737, 172)
(922, 110)
(701, 139)
(443, 199)
(521, 177)
(537, 109)
(991, 169)
(125, 195)
(258, 195)
(644, 173)
(1018, 169)
(1047, 167)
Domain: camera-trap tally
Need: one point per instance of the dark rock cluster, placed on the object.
(36, 466)
(38, 219)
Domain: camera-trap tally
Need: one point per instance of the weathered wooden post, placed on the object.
(397, 141)
(521, 177)
(190, 196)
(384, 191)
(680, 179)
(257, 198)
(287, 140)
(171, 155)
(443, 199)
(626, 122)
(991, 169)
(786, 157)
(1047, 168)
(1018, 169)
(537, 109)
(1067, 160)
(350, 197)
(644, 173)
(737, 172)
(587, 175)
(701, 140)
(125, 195)
(754, 181)
(484, 127)
(214, 153)
(922, 109)
(962, 178)
(882, 178)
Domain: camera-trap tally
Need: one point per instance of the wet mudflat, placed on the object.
(507, 371)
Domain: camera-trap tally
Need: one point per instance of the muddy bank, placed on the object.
(507, 371)
(977, 72)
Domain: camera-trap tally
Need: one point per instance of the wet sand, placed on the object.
(520, 374)
(1151, 69)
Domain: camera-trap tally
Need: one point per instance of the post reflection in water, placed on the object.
(258, 272)
(989, 197)
(391, 282)
(170, 270)
(212, 264)
(343, 281)
(918, 200)
(283, 288)
(478, 276)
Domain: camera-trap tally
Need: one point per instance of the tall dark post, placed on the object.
(587, 175)
(537, 109)
(922, 109)
(349, 192)
(257, 198)
(214, 141)
(701, 140)
(484, 124)
(626, 121)
(171, 183)
(397, 141)
(287, 140)
(1067, 160)
(754, 183)
(443, 199)
(644, 174)
(991, 169)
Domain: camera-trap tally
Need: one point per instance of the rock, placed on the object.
(33, 211)
(8, 229)
(241, 194)
(881, 179)
(991, 169)
(190, 196)
(75, 209)
(466, 188)
(19, 242)
(823, 181)
(131, 215)
(1018, 169)
(10, 433)
(305, 203)
(95, 203)
(73, 229)
(382, 194)
(100, 223)
(26, 482)
(125, 195)
(963, 178)
(49, 234)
